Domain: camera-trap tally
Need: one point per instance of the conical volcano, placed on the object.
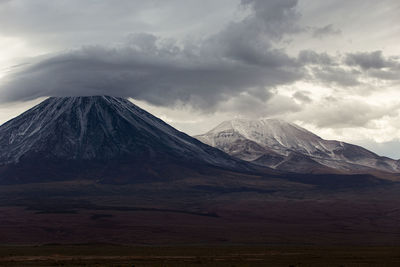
(99, 137)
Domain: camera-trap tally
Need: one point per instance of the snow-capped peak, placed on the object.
(273, 133)
(277, 136)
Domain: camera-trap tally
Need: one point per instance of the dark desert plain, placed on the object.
(200, 133)
(198, 222)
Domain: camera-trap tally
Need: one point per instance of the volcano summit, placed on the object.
(98, 137)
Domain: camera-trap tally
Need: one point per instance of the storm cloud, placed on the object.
(325, 31)
(375, 64)
(369, 60)
(241, 58)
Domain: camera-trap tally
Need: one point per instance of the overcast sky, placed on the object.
(331, 66)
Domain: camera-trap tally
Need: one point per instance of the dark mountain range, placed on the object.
(101, 138)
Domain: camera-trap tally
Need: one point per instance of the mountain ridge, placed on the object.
(252, 139)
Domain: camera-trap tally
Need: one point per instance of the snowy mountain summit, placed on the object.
(283, 145)
(97, 136)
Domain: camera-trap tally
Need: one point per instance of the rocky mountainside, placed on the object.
(287, 146)
(98, 137)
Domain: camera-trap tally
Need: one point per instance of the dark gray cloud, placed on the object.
(328, 70)
(273, 17)
(368, 60)
(375, 65)
(162, 77)
(252, 40)
(240, 58)
(329, 75)
(325, 31)
(302, 96)
(309, 57)
(390, 75)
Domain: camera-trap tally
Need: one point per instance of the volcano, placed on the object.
(101, 138)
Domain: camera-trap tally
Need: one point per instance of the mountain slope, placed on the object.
(278, 141)
(98, 137)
